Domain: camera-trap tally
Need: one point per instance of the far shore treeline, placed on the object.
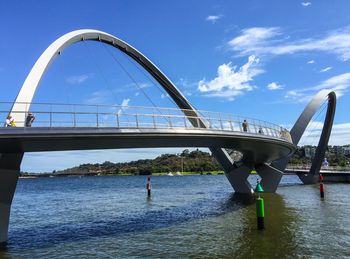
(193, 162)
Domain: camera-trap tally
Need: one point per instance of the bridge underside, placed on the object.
(255, 149)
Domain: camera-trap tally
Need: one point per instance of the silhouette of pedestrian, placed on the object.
(10, 122)
(29, 120)
(245, 126)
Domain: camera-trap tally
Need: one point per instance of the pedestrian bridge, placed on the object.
(265, 147)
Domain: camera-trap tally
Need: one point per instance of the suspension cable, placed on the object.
(130, 76)
(152, 80)
(64, 72)
(311, 127)
(314, 137)
(138, 87)
(161, 89)
(101, 72)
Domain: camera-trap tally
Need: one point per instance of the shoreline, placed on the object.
(32, 176)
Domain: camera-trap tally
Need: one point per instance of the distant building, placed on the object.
(346, 150)
(339, 150)
(309, 152)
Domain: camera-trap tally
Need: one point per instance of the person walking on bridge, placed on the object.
(245, 126)
(29, 120)
(10, 122)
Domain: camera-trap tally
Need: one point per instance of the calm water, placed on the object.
(189, 216)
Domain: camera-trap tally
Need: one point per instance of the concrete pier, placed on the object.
(9, 173)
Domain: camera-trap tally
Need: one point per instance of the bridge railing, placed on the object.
(307, 167)
(77, 115)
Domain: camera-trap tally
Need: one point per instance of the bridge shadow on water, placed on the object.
(51, 234)
(277, 240)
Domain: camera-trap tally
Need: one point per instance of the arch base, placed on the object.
(270, 177)
(238, 178)
(308, 178)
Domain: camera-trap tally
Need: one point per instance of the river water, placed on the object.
(187, 216)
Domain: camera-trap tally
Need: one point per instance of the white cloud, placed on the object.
(124, 106)
(270, 41)
(311, 62)
(253, 40)
(125, 102)
(325, 69)
(187, 93)
(98, 97)
(339, 84)
(274, 86)
(231, 81)
(340, 134)
(187, 86)
(214, 18)
(78, 79)
(186, 83)
(111, 95)
(163, 96)
(143, 85)
(306, 4)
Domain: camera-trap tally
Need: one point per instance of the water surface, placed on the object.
(187, 216)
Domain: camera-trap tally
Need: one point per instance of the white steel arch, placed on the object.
(26, 94)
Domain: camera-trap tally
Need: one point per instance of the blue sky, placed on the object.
(261, 59)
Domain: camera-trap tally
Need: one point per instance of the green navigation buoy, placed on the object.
(260, 212)
(258, 188)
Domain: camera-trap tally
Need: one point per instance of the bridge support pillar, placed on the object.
(238, 178)
(309, 178)
(9, 173)
(270, 177)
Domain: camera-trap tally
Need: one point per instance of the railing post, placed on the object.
(25, 116)
(267, 129)
(50, 115)
(239, 124)
(118, 125)
(97, 122)
(137, 121)
(74, 117)
(230, 121)
(185, 122)
(170, 124)
(220, 119)
(154, 122)
(276, 131)
(255, 126)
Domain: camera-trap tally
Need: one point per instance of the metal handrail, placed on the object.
(118, 116)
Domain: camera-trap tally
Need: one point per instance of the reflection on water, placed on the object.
(190, 216)
(278, 238)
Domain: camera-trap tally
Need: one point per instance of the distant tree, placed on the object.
(185, 153)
